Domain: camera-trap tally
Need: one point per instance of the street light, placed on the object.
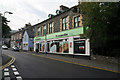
(7, 12)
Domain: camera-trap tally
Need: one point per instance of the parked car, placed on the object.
(4, 47)
(15, 48)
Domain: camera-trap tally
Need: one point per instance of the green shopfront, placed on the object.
(65, 42)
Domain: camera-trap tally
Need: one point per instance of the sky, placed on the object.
(33, 11)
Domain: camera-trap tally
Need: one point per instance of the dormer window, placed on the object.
(50, 15)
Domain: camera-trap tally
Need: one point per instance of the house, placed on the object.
(16, 38)
(62, 33)
(28, 39)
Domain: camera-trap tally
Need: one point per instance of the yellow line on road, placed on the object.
(9, 63)
(76, 63)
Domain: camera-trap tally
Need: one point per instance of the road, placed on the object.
(30, 66)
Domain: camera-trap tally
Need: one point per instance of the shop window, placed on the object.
(79, 47)
(77, 21)
(61, 47)
(50, 28)
(66, 47)
(42, 47)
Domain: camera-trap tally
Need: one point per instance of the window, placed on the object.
(20, 36)
(77, 21)
(38, 33)
(64, 23)
(25, 38)
(50, 28)
(44, 29)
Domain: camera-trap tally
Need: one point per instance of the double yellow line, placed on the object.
(75, 63)
(9, 63)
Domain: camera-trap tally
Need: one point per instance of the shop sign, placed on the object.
(61, 35)
(38, 39)
(67, 33)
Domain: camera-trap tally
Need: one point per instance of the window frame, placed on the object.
(64, 23)
(77, 22)
(50, 27)
(44, 29)
(38, 32)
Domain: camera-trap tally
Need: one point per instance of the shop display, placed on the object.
(43, 47)
(66, 47)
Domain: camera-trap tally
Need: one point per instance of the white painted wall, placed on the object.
(71, 49)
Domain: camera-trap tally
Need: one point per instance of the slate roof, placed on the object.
(30, 31)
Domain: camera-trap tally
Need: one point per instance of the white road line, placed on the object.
(6, 74)
(6, 69)
(19, 78)
(14, 69)
(16, 73)
(12, 66)
(7, 78)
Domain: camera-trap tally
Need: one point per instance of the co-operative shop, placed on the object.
(65, 42)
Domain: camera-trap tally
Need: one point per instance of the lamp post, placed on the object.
(7, 12)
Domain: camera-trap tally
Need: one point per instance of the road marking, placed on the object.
(76, 63)
(16, 73)
(6, 74)
(19, 78)
(12, 66)
(6, 69)
(9, 63)
(14, 69)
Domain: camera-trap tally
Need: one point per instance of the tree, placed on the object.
(5, 28)
(103, 21)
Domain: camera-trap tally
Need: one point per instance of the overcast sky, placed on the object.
(33, 11)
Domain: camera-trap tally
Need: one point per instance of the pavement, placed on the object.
(4, 60)
(83, 62)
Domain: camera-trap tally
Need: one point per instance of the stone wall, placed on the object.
(106, 59)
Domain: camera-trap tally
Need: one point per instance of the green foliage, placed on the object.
(5, 28)
(104, 22)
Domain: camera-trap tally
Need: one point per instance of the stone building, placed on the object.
(61, 33)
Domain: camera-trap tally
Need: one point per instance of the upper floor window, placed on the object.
(77, 21)
(50, 28)
(20, 35)
(64, 23)
(11, 37)
(38, 32)
(25, 37)
(44, 29)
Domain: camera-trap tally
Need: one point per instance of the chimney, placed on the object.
(19, 29)
(63, 8)
(22, 28)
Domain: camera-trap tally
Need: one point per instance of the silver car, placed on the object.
(4, 47)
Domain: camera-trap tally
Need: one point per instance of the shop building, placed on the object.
(61, 33)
